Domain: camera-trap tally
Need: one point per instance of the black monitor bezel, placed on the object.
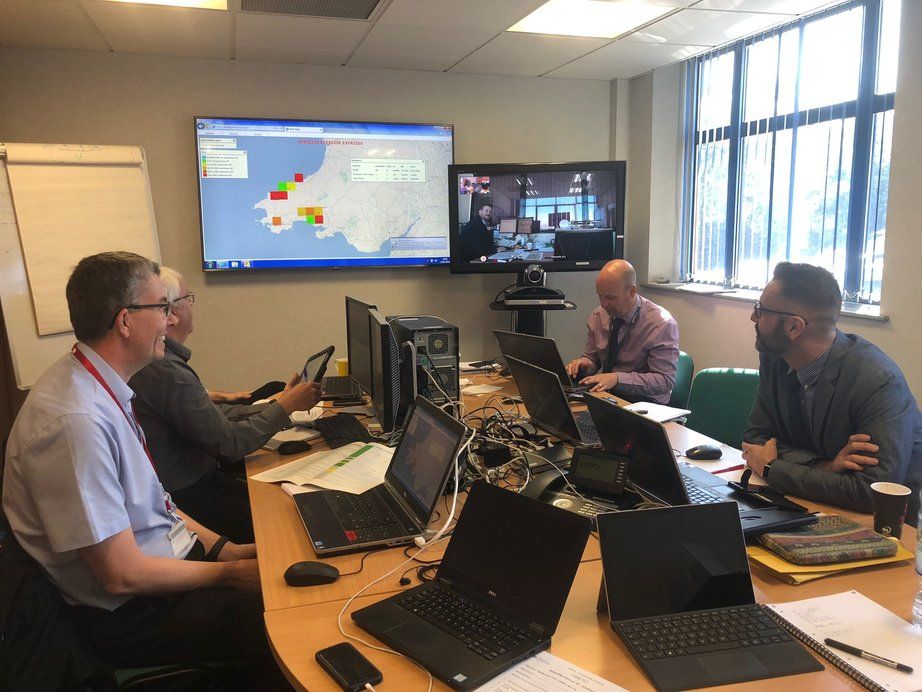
(490, 169)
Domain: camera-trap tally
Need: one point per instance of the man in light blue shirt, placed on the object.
(83, 499)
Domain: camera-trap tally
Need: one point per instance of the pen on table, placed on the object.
(855, 651)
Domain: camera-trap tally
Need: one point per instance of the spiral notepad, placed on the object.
(853, 618)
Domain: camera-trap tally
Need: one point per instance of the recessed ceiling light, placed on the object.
(197, 4)
(596, 18)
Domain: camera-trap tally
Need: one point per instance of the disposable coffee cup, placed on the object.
(342, 366)
(890, 503)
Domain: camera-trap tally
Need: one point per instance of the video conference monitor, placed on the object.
(358, 342)
(304, 193)
(561, 216)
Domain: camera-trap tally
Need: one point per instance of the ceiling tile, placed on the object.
(635, 57)
(401, 62)
(779, 6)
(292, 35)
(396, 39)
(272, 54)
(47, 24)
(707, 27)
(536, 48)
(514, 69)
(574, 71)
(159, 30)
(485, 15)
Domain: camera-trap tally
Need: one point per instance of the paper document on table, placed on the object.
(854, 619)
(547, 673)
(657, 412)
(353, 468)
(475, 389)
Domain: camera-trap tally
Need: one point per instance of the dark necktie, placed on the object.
(614, 346)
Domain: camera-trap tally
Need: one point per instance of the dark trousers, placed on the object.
(214, 625)
(219, 503)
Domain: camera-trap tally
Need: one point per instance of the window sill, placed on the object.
(856, 310)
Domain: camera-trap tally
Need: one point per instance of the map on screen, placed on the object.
(287, 193)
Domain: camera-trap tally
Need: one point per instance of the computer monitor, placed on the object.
(566, 216)
(358, 342)
(385, 371)
(309, 193)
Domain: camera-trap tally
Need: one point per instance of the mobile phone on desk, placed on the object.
(350, 669)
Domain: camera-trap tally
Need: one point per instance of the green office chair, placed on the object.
(685, 368)
(720, 401)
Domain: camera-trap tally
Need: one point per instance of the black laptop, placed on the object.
(543, 396)
(398, 510)
(680, 597)
(653, 470)
(498, 594)
(537, 350)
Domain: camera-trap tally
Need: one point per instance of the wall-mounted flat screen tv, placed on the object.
(280, 194)
(561, 216)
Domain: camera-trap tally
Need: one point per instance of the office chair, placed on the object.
(685, 368)
(720, 401)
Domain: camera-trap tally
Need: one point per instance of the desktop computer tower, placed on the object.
(428, 359)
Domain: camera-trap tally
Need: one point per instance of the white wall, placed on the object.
(717, 332)
(258, 327)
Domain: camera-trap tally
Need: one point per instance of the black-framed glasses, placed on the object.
(165, 307)
(758, 309)
(190, 296)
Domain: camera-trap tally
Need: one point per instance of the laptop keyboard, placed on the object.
(341, 387)
(702, 632)
(700, 496)
(342, 429)
(587, 431)
(478, 628)
(364, 515)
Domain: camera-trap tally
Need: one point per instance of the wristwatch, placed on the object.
(212, 555)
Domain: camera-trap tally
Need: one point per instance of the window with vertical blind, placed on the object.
(788, 150)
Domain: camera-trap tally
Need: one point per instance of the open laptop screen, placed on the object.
(423, 458)
(674, 560)
(544, 398)
(516, 552)
(537, 350)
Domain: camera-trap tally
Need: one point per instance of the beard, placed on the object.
(773, 343)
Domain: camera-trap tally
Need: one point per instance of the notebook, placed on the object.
(654, 472)
(547, 404)
(680, 597)
(852, 618)
(487, 588)
(398, 510)
(831, 539)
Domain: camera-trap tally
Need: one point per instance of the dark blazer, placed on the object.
(861, 390)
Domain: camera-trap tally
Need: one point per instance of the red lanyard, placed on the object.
(90, 368)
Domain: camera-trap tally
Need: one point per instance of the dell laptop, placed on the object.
(654, 472)
(398, 510)
(679, 595)
(537, 350)
(497, 596)
(547, 405)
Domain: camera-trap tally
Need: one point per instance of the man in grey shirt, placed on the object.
(188, 434)
(833, 413)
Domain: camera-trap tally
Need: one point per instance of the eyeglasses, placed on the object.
(164, 307)
(190, 296)
(758, 309)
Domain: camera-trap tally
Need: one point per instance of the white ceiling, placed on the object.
(435, 35)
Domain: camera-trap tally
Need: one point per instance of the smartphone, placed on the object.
(350, 669)
(316, 366)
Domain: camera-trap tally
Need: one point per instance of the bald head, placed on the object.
(616, 286)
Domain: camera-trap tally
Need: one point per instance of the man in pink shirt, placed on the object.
(633, 343)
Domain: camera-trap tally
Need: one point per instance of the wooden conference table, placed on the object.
(299, 621)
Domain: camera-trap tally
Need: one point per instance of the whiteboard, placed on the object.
(59, 203)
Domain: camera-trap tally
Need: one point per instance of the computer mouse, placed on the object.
(294, 446)
(703, 452)
(308, 573)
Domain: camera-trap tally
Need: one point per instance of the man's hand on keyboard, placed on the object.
(300, 397)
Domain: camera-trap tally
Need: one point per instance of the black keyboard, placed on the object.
(702, 632)
(342, 429)
(701, 496)
(364, 515)
(587, 431)
(480, 629)
(344, 387)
